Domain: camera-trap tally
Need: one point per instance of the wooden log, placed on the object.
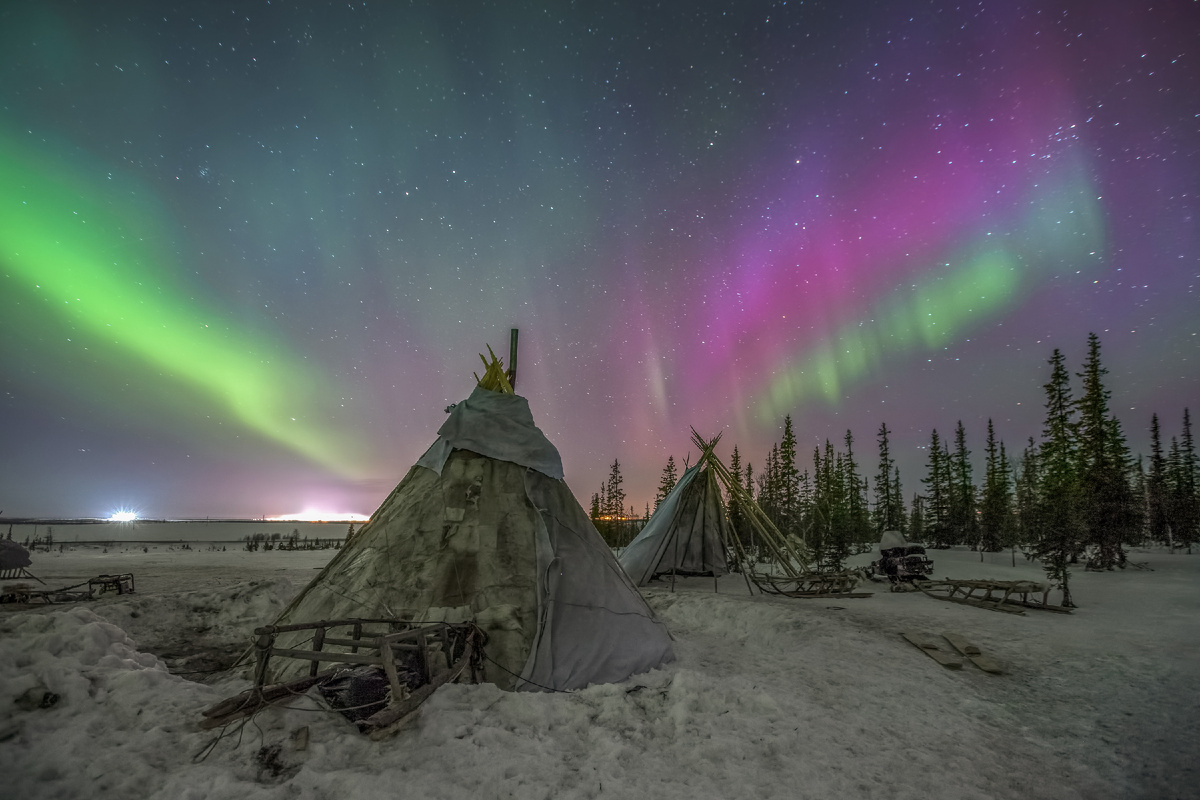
(318, 646)
(263, 652)
(388, 659)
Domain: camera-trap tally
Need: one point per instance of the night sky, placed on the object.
(250, 251)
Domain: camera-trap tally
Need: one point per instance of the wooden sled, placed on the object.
(26, 594)
(1012, 597)
(811, 584)
(121, 584)
(402, 646)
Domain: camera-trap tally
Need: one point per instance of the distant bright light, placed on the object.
(316, 515)
(123, 516)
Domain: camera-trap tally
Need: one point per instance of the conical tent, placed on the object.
(687, 535)
(690, 532)
(484, 529)
(13, 556)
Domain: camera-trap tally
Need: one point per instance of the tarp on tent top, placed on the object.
(484, 529)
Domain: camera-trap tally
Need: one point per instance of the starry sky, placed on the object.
(249, 251)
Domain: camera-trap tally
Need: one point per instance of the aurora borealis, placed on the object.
(249, 251)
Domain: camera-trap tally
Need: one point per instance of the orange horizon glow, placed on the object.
(313, 515)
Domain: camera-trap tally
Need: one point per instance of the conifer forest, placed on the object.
(1073, 496)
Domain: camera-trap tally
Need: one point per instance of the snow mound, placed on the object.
(200, 631)
(68, 679)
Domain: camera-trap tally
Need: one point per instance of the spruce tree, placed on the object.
(614, 491)
(750, 494)
(1127, 520)
(788, 499)
(1189, 509)
(1058, 539)
(885, 502)
(1026, 495)
(822, 510)
(805, 511)
(769, 491)
(734, 505)
(916, 520)
(962, 492)
(1139, 493)
(1104, 491)
(858, 521)
(1156, 488)
(1008, 529)
(937, 485)
(1179, 502)
(668, 481)
(897, 512)
(996, 497)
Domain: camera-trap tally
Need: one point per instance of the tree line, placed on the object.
(1075, 493)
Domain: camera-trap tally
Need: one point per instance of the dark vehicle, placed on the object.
(899, 561)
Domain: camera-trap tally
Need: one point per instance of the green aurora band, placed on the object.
(1061, 232)
(92, 255)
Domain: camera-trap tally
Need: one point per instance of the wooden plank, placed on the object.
(341, 658)
(930, 648)
(352, 643)
(334, 623)
(974, 654)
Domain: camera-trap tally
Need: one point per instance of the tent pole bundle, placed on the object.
(790, 555)
(495, 377)
(799, 579)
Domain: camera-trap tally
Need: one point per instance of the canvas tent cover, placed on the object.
(483, 528)
(686, 535)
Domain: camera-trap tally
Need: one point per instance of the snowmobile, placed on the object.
(899, 561)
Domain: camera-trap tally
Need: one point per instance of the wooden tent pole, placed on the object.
(512, 358)
(789, 558)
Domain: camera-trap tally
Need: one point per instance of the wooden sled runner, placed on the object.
(1012, 597)
(25, 593)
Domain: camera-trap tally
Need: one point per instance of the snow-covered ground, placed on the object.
(769, 697)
